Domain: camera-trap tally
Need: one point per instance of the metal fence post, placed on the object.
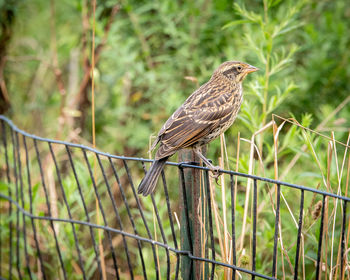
(191, 201)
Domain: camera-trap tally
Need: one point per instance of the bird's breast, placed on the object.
(224, 123)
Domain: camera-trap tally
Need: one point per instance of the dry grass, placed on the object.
(330, 255)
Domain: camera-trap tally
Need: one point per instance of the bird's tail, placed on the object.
(149, 182)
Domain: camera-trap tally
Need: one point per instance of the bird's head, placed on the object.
(235, 71)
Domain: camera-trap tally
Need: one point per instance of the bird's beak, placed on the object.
(251, 69)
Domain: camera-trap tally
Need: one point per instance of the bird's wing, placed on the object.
(187, 126)
(168, 123)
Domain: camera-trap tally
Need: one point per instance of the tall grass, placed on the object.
(153, 55)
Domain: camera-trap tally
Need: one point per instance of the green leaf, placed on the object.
(249, 15)
(235, 22)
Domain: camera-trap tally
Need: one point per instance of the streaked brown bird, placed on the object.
(206, 113)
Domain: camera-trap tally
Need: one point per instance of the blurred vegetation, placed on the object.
(152, 54)
(152, 46)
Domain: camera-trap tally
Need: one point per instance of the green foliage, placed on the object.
(153, 45)
(302, 50)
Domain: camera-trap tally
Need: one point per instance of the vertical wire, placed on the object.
(42, 268)
(186, 208)
(163, 235)
(139, 245)
(210, 218)
(255, 199)
(10, 195)
(103, 216)
(319, 251)
(300, 225)
(85, 211)
(160, 226)
(233, 224)
(142, 217)
(68, 210)
(22, 199)
(343, 241)
(116, 214)
(18, 261)
(274, 261)
(171, 222)
(188, 230)
(49, 208)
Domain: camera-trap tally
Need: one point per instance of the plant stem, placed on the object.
(269, 40)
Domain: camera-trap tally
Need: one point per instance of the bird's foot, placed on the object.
(215, 170)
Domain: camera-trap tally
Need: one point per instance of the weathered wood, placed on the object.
(190, 181)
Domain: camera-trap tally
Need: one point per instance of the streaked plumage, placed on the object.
(206, 113)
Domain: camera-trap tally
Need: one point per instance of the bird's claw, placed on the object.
(216, 173)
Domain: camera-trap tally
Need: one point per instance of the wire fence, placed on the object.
(72, 212)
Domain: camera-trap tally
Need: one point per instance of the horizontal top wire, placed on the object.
(180, 165)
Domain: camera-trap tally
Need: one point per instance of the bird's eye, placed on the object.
(239, 68)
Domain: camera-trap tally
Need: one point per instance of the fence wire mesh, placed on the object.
(72, 212)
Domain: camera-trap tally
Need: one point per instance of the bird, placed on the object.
(207, 112)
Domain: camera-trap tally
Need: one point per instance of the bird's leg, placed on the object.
(206, 161)
(214, 169)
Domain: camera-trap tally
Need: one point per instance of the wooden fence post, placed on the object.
(191, 231)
